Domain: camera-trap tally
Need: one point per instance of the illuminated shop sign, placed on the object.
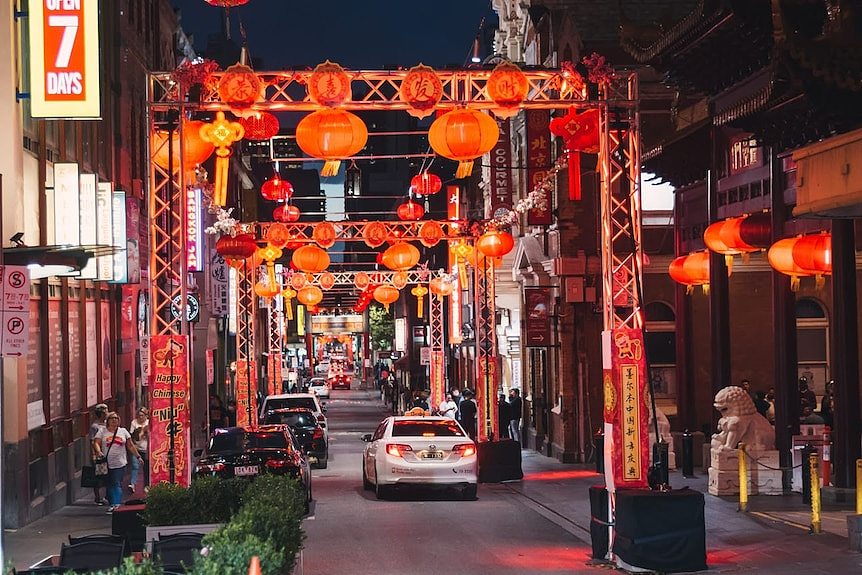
(67, 231)
(87, 221)
(194, 241)
(105, 229)
(64, 58)
(118, 213)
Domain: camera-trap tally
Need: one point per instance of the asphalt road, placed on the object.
(422, 532)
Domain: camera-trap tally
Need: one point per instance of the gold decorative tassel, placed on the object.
(794, 283)
(689, 289)
(330, 168)
(464, 169)
(222, 166)
(728, 261)
(462, 271)
(419, 306)
(705, 289)
(819, 281)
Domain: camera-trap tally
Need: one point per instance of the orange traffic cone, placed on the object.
(254, 566)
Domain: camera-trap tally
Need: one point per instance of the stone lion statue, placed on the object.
(740, 422)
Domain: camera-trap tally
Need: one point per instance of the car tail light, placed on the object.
(397, 449)
(318, 433)
(214, 468)
(464, 449)
(277, 463)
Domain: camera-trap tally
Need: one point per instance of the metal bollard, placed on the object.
(815, 492)
(599, 444)
(743, 478)
(687, 454)
(859, 487)
(806, 477)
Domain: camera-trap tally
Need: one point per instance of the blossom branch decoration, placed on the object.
(537, 199)
(224, 224)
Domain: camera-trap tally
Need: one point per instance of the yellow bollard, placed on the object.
(815, 493)
(743, 478)
(859, 487)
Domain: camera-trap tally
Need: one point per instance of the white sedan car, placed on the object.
(319, 387)
(418, 450)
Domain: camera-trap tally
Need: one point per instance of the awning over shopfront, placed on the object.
(829, 178)
(45, 261)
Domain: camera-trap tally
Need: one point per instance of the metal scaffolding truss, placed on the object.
(348, 231)
(437, 336)
(486, 351)
(274, 315)
(379, 90)
(374, 278)
(245, 316)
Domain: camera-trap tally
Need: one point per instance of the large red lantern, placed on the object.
(276, 190)
(286, 213)
(463, 135)
(400, 257)
(580, 132)
(309, 296)
(780, 257)
(814, 254)
(495, 244)
(332, 135)
(386, 294)
(425, 184)
(260, 126)
(310, 259)
(237, 248)
(195, 149)
(691, 270)
(410, 211)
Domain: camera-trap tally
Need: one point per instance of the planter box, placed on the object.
(153, 533)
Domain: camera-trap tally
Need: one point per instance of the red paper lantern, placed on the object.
(410, 211)
(691, 270)
(780, 257)
(495, 244)
(195, 149)
(463, 135)
(580, 132)
(386, 294)
(276, 190)
(310, 259)
(400, 257)
(286, 213)
(332, 135)
(237, 248)
(814, 253)
(309, 296)
(425, 184)
(440, 287)
(260, 126)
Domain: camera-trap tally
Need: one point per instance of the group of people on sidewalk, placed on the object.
(110, 446)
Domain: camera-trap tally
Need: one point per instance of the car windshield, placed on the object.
(234, 442)
(301, 419)
(291, 402)
(426, 429)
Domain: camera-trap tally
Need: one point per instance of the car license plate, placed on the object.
(244, 470)
(432, 455)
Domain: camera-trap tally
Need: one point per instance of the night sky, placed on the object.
(358, 34)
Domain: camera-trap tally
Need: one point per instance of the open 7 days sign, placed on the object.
(64, 58)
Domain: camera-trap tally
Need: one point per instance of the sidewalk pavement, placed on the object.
(772, 538)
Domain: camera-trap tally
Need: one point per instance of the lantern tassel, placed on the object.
(220, 183)
(330, 168)
(689, 289)
(794, 283)
(819, 281)
(462, 271)
(464, 169)
(574, 158)
(728, 261)
(288, 309)
(419, 306)
(705, 288)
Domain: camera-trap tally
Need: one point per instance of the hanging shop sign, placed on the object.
(193, 307)
(67, 196)
(246, 394)
(87, 221)
(218, 286)
(626, 408)
(105, 229)
(64, 58)
(537, 305)
(118, 215)
(501, 175)
(453, 213)
(400, 334)
(169, 408)
(194, 240)
(538, 162)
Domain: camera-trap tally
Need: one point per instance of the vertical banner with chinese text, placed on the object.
(501, 170)
(626, 408)
(246, 394)
(538, 162)
(169, 372)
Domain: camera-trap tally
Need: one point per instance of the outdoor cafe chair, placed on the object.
(92, 555)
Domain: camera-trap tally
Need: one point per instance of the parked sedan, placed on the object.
(418, 450)
(307, 431)
(239, 452)
(319, 387)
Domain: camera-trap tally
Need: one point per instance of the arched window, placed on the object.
(661, 347)
(812, 343)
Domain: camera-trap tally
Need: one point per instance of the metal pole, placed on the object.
(743, 478)
(171, 126)
(2, 407)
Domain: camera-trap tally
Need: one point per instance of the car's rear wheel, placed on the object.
(323, 462)
(469, 492)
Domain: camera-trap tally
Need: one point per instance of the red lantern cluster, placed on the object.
(260, 126)
(286, 213)
(426, 183)
(276, 190)
(410, 211)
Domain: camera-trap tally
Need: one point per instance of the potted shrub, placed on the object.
(201, 508)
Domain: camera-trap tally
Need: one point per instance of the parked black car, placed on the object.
(307, 431)
(239, 452)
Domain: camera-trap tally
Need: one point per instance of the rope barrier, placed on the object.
(780, 468)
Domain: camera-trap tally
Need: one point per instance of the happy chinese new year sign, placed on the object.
(64, 58)
(169, 373)
(626, 408)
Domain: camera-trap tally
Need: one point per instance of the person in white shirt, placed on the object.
(140, 430)
(112, 442)
(447, 407)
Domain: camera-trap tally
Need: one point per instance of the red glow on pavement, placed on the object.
(535, 559)
(723, 557)
(559, 475)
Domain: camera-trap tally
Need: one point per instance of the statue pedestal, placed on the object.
(724, 472)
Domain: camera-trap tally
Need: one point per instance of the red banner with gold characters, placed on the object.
(246, 394)
(538, 162)
(438, 370)
(169, 378)
(626, 408)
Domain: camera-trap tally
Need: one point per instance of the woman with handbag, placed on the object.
(112, 444)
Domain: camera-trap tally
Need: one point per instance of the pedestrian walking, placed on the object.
(447, 407)
(516, 411)
(112, 442)
(503, 416)
(140, 431)
(468, 409)
(100, 413)
(216, 412)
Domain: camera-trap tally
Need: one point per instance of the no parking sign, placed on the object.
(15, 311)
